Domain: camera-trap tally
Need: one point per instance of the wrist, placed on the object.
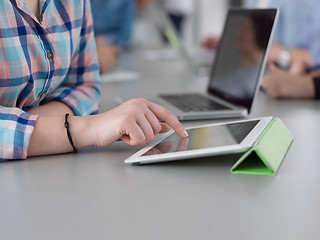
(67, 126)
(308, 88)
(81, 131)
(284, 59)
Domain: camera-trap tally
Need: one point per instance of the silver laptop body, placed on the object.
(236, 72)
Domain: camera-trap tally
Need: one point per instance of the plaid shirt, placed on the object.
(53, 58)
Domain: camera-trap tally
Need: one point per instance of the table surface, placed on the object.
(94, 195)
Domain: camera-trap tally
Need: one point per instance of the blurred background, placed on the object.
(191, 30)
(206, 19)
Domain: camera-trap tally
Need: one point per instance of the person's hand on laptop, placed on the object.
(281, 84)
(275, 50)
(211, 42)
(300, 59)
(135, 122)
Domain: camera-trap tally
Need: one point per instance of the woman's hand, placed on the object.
(136, 122)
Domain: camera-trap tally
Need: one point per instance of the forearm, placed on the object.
(136, 122)
(50, 135)
(53, 108)
(301, 55)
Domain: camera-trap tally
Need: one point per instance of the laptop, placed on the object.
(236, 72)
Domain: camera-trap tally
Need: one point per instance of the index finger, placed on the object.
(165, 115)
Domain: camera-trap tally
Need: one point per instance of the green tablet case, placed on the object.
(265, 157)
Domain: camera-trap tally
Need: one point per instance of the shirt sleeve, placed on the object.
(80, 89)
(316, 83)
(311, 35)
(314, 36)
(125, 34)
(16, 127)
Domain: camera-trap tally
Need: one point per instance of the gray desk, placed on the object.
(94, 195)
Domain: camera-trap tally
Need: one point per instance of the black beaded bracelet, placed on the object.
(67, 125)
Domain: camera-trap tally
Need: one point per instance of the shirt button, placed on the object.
(49, 55)
(43, 95)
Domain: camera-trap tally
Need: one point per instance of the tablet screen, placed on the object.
(205, 137)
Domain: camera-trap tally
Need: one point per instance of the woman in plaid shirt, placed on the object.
(48, 67)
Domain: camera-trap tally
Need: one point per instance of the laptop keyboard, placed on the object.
(193, 102)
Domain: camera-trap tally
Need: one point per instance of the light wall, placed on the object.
(207, 19)
(211, 16)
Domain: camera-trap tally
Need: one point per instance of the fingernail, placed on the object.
(186, 133)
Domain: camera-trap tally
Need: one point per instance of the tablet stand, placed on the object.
(265, 157)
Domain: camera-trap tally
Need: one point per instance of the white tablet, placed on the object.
(208, 140)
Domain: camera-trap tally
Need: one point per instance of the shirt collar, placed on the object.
(22, 5)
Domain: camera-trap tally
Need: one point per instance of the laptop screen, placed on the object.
(241, 55)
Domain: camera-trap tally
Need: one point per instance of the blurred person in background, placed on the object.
(292, 20)
(294, 57)
(302, 81)
(113, 26)
(178, 11)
